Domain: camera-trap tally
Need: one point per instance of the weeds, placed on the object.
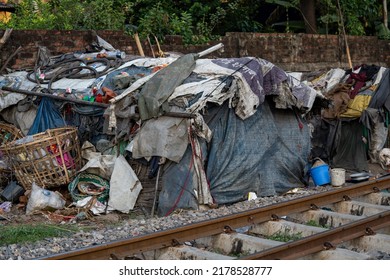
(315, 224)
(285, 236)
(32, 233)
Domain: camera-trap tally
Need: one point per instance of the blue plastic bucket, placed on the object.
(320, 175)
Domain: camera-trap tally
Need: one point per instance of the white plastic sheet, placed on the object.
(124, 186)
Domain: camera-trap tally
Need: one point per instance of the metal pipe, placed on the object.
(87, 103)
(71, 100)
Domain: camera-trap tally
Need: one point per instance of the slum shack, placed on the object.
(125, 133)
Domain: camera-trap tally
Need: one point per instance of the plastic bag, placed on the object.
(42, 199)
(48, 117)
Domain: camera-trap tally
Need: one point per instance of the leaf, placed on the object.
(383, 32)
(330, 18)
(285, 4)
(294, 24)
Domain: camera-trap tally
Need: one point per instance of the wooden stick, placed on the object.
(155, 192)
(151, 47)
(345, 36)
(160, 52)
(9, 59)
(5, 37)
(139, 46)
(385, 15)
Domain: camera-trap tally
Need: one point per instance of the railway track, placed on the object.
(351, 222)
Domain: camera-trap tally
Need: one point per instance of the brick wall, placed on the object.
(293, 52)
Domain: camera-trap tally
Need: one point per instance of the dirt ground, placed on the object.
(70, 214)
(83, 217)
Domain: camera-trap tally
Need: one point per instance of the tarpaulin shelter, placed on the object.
(247, 134)
(353, 129)
(209, 130)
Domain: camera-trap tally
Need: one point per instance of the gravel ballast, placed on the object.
(140, 226)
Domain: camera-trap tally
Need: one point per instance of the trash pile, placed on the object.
(353, 130)
(118, 132)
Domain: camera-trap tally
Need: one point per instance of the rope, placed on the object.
(182, 189)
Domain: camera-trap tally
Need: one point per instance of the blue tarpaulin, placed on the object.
(48, 117)
(266, 154)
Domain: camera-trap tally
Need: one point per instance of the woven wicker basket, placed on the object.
(8, 133)
(49, 159)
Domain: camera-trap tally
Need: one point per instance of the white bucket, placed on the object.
(338, 177)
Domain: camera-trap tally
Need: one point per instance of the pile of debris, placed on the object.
(158, 134)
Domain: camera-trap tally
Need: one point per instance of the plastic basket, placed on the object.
(49, 159)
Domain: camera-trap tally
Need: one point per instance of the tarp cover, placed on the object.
(48, 117)
(266, 154)
(158, 89)
(349, 149)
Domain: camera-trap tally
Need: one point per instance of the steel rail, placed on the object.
(174, 236)
(325, 240)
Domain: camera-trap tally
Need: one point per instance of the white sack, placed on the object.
(42, 199)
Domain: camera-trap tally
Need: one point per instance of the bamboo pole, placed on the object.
(345, 36)
(385, 15)
(139, 46)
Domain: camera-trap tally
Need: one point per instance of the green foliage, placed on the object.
(286, 4)
(285, 236)
(290, 25)
(102, 14)
(358, 16)
(183, 26)
(197, 21)
(205, 27)
(68, 14)
(383, 32)
(31, 233)
(241, 17)
(315, 224)
(155, 22)
(32, 15)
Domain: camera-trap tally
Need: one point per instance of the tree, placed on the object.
(385, 16)
(308, 8)
(199, 21)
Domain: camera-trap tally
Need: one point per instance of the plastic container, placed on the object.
(338, 177)
(12, 192)
(320, 175)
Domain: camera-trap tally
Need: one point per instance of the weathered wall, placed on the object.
(306, 52)
(295, 52)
